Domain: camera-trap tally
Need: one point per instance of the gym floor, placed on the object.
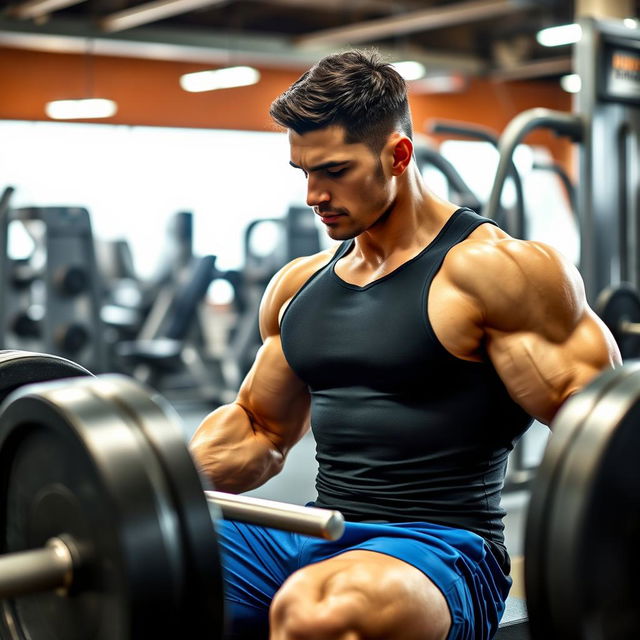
(295, 484)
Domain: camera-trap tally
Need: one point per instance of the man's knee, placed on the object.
(357, 601)
(302, 610)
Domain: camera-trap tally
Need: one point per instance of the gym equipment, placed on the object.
(558, 170)
(459, 190)
(19, 368)
(514, 624)
(51, 300)
(71, 279)
(619, 308)
(175, 343)
(514, 222)
(68, 338)
(105, 524)
(298, 236)
(71, 338)
(584, 517)
(103, 518)
(177, 253)
(607, 127)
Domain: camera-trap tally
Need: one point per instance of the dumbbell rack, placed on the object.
(51, 301)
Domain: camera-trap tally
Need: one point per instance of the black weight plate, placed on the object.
(71, 280)
(616, 305)
(72, 463)
(71, 338)
(159, 425)
(539, 548)
(19, 368)
(595, 522)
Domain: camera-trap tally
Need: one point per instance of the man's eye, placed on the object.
(334, 173)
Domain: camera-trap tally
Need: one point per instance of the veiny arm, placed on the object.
(241, 445)
(539, 332)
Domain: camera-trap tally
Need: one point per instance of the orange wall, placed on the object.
(147, 93)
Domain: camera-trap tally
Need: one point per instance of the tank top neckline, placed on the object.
(351, 243)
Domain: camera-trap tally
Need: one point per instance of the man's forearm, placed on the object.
(232, 453)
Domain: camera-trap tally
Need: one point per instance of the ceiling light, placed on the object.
(444, 83)
(219, 79)
(410, 69)
(571, 83)
(80, 109)
(560, 35)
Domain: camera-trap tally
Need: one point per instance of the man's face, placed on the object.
(346, 183)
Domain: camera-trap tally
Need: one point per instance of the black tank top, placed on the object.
(404, 430)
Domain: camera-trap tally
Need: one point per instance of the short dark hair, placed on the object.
(355, 90)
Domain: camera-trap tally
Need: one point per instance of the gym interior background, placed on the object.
(142, 241)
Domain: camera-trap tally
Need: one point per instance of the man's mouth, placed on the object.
(327, 217)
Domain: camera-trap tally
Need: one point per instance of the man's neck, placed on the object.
(412, 222)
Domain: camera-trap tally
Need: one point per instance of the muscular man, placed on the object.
(417, 352)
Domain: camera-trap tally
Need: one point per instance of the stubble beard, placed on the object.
(381, 204)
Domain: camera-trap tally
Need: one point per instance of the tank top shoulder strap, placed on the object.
(342, 250)
(459, 226)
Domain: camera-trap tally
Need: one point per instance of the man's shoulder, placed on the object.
(286, 283)
(295, 273)
(489, 253)
(509, 279)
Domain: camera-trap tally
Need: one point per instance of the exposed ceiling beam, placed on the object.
(414, 21)
(162, 43)
(152, 12)
(354, 5)
(39, 8)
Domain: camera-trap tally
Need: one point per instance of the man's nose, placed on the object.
(316, 193)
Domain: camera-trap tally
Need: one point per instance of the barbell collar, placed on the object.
(311, 521)
(45, 569)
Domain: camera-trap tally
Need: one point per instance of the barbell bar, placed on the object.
(310, 521)
(52, 566)
(48, 568)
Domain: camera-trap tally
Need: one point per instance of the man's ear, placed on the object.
(402, 154)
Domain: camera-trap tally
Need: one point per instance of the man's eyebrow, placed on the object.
(320, 167)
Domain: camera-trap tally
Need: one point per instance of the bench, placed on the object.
(515, 623)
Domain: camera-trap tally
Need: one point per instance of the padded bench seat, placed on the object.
(515, 623)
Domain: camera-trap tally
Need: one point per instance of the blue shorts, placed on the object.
(257, 561)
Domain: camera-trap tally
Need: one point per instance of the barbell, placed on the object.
(97, 486)
(106, 530)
